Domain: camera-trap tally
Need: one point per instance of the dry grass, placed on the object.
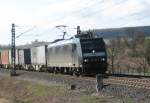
(2, 100)
(19, 91)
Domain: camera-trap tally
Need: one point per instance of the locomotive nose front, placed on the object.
(94, 56)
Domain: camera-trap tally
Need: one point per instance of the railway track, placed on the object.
(143, 83)
(132, 82)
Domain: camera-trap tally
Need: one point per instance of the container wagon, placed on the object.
(38, 57)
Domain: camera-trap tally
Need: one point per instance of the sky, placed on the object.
(40, 17)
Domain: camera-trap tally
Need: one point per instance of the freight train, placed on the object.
(77, 56)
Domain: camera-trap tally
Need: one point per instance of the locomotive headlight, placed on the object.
(93, 51)
(85, 60)
(103, 59)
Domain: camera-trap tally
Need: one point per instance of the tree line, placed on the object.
(129, 54)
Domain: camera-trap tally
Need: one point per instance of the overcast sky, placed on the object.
(44, 15)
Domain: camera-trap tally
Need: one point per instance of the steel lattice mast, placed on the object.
(13, 51)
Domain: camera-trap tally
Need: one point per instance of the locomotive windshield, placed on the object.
(90, 45)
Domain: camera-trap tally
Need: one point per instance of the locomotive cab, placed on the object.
(94, 56)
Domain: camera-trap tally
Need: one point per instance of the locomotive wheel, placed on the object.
(76, 73)
(56, 70)
(62, 70)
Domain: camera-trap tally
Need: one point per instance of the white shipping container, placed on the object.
(17, 61)
(9, 56)
(41, 55)
(21, 56)
(38, 55)
(16, 57)
(33, 55)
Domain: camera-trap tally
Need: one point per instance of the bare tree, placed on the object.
(113, 50)
(139, 49)
(136, 38)
(142, 55)
(147, 53)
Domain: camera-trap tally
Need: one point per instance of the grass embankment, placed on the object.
(19, 91)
